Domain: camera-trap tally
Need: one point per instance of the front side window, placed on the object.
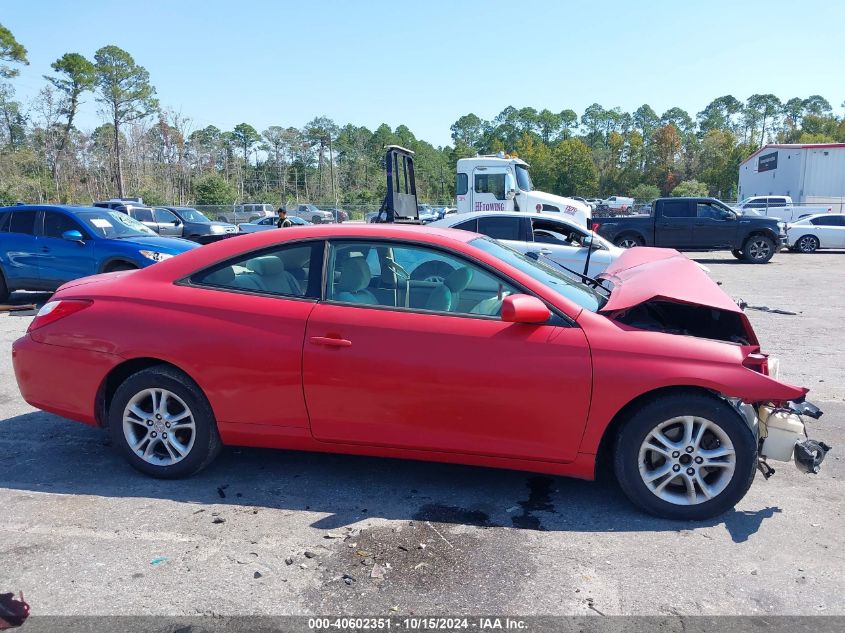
(548, 232)
(292, 270)
(406, 276)
(491, 183)
(164, 216)
(55, 224)
(462, 185)
(192, 215)
(707, 211)
(23, 222)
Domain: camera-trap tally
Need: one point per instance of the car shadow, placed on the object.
(44, 453)
(23, 298)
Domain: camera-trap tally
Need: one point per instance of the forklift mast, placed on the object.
(400, 203)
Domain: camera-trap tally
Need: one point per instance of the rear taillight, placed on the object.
(758, 363)
(55, 310)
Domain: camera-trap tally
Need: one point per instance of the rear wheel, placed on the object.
(758, 249)
(738, 253)
(163, 424)
(807, 244)
(685, 456)
(628, 241)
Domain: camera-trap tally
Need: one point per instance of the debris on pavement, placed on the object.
(257, 574)
(377, 571)
(309, 554)
(218, 520)
(289, 560)
(158, 559)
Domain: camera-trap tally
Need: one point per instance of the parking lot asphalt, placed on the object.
(278, 532)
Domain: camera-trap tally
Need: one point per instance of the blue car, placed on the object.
(43, 246)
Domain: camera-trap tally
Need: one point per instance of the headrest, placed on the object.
(354, 275)
(458, 279)
(223, 276)
(268, 266)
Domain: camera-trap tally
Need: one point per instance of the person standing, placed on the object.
(283, 221)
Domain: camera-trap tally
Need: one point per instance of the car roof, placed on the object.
(457, 218)
(54, 207)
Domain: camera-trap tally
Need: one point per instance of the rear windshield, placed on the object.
(547, 275)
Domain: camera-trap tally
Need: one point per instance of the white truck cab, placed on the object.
(502, 183)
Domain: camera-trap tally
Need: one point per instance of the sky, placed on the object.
(426, 63)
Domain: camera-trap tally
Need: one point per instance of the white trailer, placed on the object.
(813, 175)
(502, 183)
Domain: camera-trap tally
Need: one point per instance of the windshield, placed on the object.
(523, 178)
(192, 215)
(555, 279)
(114, 224)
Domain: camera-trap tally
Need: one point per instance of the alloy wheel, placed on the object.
(628, 242)
(159, 427)
(807, 244)
(758, 249)
(687, 460)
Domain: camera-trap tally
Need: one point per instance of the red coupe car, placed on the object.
(322, 339)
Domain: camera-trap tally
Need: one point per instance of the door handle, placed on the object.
(330, 341)
(45, 249)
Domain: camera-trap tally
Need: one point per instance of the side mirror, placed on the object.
(524, 309)
(72, 236)
(177, 222)
(729, 216)
(511, 194)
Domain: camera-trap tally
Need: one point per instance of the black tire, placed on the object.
(316, 220)
(4, 289)
(118, 266)
(738, 254)
(644, 420)
(206, 443)
(807, 244)
(758, 249)
(432, 271)
(628, 241)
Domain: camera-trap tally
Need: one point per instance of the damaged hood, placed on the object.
(645, 274)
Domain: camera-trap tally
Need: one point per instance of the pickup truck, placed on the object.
(703, 224)
(780, 207)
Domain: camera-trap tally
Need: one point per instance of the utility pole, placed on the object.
(331, 170)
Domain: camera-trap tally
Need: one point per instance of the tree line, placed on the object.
(142, 148)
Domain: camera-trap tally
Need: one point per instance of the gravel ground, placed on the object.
(276, 532)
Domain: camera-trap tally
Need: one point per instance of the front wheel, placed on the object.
(163, 424)
(316, 220)
(758, 249)
(685, 457)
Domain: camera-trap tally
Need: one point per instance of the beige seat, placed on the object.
(271, 276)
(352, 286)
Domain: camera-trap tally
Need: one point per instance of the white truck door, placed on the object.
(488, 189)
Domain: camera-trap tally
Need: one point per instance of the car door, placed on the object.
(715, 226)
(21, 258)
(488, 192)
(381, 370)
(168, 222)
(673, 224)
(64, 260)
